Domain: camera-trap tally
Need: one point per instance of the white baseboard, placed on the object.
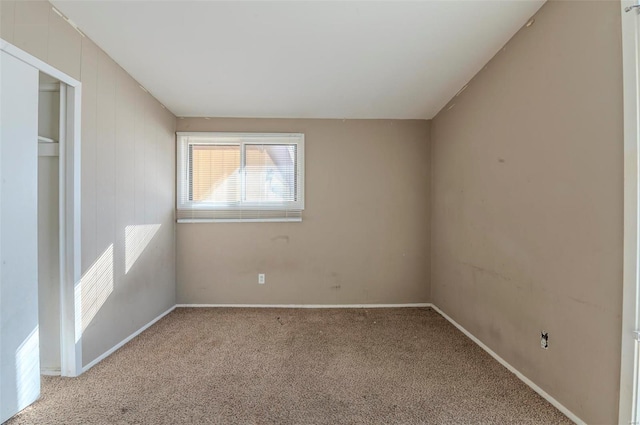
(513, 370)
(50, 371)
(124, 341)
(303, 305)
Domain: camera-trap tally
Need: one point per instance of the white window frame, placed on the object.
(241, 140)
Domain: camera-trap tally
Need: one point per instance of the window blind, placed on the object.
(240, 177)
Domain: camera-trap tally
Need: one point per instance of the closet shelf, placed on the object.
(42, 139)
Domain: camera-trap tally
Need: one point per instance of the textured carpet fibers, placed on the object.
(294, 366)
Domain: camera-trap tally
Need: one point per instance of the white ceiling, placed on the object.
(332, 59)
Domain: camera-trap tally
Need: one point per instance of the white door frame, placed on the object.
(628, 413)
(70, 213)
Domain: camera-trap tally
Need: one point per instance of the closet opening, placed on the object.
(50, 113)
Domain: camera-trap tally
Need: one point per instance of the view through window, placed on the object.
(231, 176)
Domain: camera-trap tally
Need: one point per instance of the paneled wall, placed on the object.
(527, 205)
(128, 160)
(364, 235)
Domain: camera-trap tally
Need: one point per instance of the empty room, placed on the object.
(319, 212)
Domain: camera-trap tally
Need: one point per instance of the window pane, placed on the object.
(270, 173)
(215, 173)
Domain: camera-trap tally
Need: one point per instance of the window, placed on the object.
(240, 177)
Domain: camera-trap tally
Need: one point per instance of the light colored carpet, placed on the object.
(286, 366)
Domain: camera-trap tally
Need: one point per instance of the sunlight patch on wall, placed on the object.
(95, 287)
(28, 367)
(137, 237)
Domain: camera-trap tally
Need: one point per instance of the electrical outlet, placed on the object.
(544, 340)
(261, 278)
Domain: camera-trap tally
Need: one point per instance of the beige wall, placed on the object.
(128, 160)
(48, 263)
(364, 237)
(527, 205)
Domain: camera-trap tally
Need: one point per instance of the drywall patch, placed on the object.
(277, 238)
